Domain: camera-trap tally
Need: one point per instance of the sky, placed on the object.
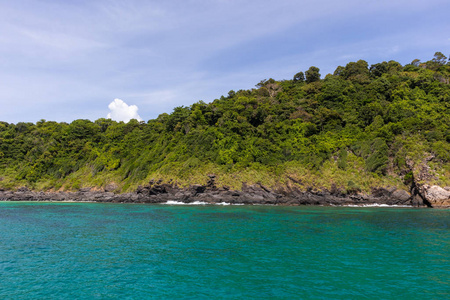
(90, 59)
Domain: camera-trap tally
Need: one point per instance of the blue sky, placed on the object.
(67, 60)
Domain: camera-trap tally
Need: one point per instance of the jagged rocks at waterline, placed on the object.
(158, 192)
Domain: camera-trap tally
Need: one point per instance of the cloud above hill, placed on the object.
(120, 111)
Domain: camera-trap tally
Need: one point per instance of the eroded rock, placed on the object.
(436, 196)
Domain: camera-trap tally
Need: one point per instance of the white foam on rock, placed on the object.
(375, 205)
(171, 202)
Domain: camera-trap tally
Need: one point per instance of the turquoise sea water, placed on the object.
(131, 251)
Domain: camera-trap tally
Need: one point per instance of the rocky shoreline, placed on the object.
(158, 192)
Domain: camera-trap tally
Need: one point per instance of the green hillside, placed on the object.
(361, 127)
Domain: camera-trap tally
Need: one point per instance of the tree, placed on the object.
(376, 70)
(415, 62)
(339, 70)
(312, 74)
(439, 58)
(300, 76)
(356, 71)
(393, 66)
(176, 119)
(265, 82)
(82, 129)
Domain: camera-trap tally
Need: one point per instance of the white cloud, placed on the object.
(120, 111)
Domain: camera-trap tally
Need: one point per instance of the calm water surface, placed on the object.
(131, 251)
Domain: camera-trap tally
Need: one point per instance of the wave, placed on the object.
(173, 202)
(375, 205)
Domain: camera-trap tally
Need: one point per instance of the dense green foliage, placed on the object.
(376, 121)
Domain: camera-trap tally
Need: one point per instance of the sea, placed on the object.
(166, 251)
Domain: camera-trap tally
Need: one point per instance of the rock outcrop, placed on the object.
(423, 193)
(159, 192)
(435, 195)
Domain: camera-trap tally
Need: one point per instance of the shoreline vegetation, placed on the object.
(362, 135)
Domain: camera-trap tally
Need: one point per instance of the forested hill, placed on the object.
(361, 127)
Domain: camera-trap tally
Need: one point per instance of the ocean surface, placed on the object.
(133, 251)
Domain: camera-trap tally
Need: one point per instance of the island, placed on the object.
(364, 135)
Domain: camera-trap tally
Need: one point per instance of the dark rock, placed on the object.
(158, 192)
(401, 195)
(198, 189)
(380, 192)
(417, 201)
(211, 184)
